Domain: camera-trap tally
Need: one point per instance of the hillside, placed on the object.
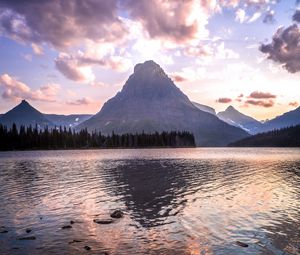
(285, 137)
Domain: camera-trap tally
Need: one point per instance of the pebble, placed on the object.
(87, 248)
(27, 238)
(117, 214)
(242, 244)
(66, 227)
(108, 221)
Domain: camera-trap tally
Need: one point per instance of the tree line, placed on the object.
(34, 138)
(285, 137)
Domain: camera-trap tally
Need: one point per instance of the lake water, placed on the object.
(176, 201)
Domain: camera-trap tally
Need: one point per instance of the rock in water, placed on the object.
(117, 214)
(103, 221)
(87, 248)
(27, 238)
(241, 244)
(66, 227)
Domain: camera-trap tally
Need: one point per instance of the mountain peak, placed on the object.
(230, 108)
(24, 114)
(24, 102)
(149, 69)
(146, 66)
(150, 81)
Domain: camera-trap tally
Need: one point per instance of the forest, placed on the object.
(33, 138)
(285, 137)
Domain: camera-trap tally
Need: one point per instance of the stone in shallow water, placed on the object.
(27, 238)
(66, 227)
(28, 230)
(242, 244)
(117, 214)
(72, 222)
(75, 241)
(87, 248)
(3, 231)
(103, 221)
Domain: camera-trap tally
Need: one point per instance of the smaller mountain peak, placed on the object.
(230, 108)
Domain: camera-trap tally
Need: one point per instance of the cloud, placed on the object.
(240, 15)
(224, 100)
(207, 52)
(73, 70)
(61, 23)
(261, 103)
(269, 17)
(179, 78)
(177, 21)
(284, 48)
(82, 101)
(293, 104)
(261, 95)
(296, 16)
(254, 17)
(78, 67)
(16, 90)
(38, 50)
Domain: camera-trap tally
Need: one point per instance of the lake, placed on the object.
(175, 201)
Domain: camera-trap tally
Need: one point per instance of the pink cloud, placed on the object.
(16, 90)
(261, 103)
(261, 95)
(224, 100)
(178, 78)
(293, 104)
(82, 101)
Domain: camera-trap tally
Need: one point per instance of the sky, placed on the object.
(69, 57)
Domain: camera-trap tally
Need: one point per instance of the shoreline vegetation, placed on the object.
(285, 137)
(61, 138)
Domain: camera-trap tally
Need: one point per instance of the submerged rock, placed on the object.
(27, 238)
(66, 227)
(28, 230)
(3, 230)
(103, 221)
(117, 214)
(75, 241)
(72, 222)
(241, 244)
(87, 248)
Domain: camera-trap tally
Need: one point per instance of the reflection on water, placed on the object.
(176, 201)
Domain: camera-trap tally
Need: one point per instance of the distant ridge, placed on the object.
(71, 120)
(149, 101)
(205, 108)
(287, 119)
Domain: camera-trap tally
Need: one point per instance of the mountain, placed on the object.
(287, 119)
(286, 137)
(205, 108)
(67, 120)
(149, 101)
(24, 114)
(238, 119)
